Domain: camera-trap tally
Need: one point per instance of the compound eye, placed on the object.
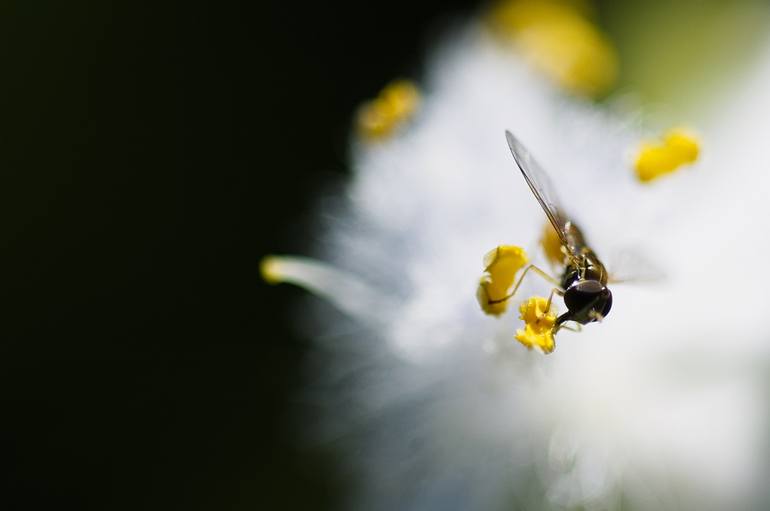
(583, 295)
(588, 296)
(607, 303)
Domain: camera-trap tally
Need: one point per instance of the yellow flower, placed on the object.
(654, 160)
(551, 245)
(500, 268)
(560, 41)
(538, 324)
(395, 104)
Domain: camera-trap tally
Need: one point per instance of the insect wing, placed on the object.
(541, 187)
(632, 265)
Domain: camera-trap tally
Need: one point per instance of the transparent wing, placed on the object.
(631, 265)
(541, 187)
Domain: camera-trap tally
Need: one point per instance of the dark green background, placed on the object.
(151, 154)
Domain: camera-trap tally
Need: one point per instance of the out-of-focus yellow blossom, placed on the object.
(395, 104)
(538, 324)
(559, 40)
(551, 245)
(269, 268)
(500, 268)
(654, 160)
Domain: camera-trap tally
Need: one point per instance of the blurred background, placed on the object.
(153, 153)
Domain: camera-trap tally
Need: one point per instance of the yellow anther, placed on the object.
(269, 268)
(683, 144)
(551, 245)
(394, 105)
(500, 268)
(560, 41)
(538, 324)
(654, 160)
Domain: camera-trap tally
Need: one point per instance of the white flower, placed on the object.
(436, 406)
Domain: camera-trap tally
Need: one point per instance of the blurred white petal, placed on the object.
(661, 406)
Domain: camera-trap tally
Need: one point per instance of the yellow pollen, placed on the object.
(654, 160)
(380, 117)
(538, 324)
(558, 39)
(551, 245)
(500, 268)
(269, 268)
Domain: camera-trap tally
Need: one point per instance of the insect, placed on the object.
(583, 284)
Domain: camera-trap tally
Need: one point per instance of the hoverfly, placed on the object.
(584, 281)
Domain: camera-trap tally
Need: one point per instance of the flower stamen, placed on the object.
(396, 103)
(560, 41)
(539, 321)
(500, 268)
(655, 160)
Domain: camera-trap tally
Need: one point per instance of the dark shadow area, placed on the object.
(152, 153)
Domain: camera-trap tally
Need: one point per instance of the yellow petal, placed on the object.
(501, 266)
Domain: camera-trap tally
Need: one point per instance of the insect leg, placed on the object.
(595, 316)
(523, 274)
(577, 328)
(556, 290)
